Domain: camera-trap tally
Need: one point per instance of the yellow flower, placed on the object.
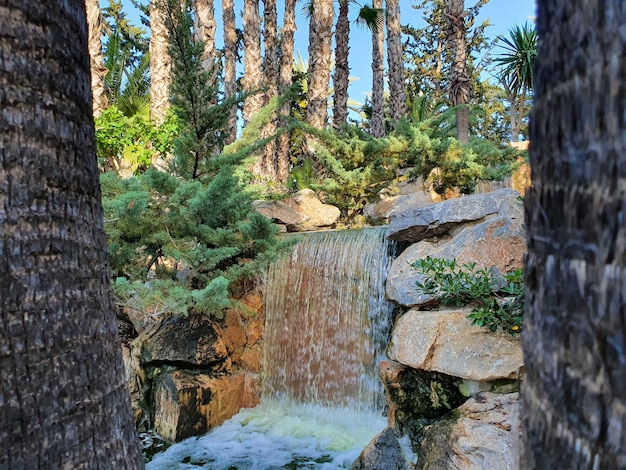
(515, 327)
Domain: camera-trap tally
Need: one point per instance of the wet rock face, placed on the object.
(383, 452)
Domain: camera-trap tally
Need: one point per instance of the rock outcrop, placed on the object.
(300, 213)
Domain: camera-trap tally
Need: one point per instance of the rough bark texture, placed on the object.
(63, 399)
(230, 64)
(266, 167)
(460, 87)
(284, 82)
(205, 27)
(397, 92)
(160, 64)
(320, 36)
(574, 395)
(98, 70)
(377, 123)
(253, 72)
(341, 78)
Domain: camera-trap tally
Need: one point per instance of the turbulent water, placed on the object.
(327, 324)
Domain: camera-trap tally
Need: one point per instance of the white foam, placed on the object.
(272, 436)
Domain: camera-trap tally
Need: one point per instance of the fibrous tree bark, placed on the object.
(574, 390)
(160, 64)
(98, 70)
(397, 91)
(341, 77)
(318, 79)
(377, 123)
(63, 398)
(205, 27)
(230, 64)
(252, 80)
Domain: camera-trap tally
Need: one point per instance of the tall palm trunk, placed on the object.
(98, 70)
(205, 27)
(160, 64)
(460, 87)
(284, 82)
(253, 72)
(377, 124)
(64, 401)
(574, 391)
(266, 167)
(341, 78)
(318, 79)
(230, 64)
(397, 91)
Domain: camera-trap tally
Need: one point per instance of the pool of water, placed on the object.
(273, 436)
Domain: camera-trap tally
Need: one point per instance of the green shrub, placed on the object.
(498, 299)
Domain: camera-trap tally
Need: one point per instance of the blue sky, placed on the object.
(502, 14)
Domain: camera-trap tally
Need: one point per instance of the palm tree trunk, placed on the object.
(395, 56)
(460, 87)
(320, 36)
(98, 70)
(205, 27)
(230, 64)
(377, 124)
(267, 165)
(64, 401)
(574, 391)
(160, 64)
(284, 82)
(253, 72)
(341, 79)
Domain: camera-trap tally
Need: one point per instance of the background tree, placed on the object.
(204, 28)
(397, 88)
(160, 64)
(252, 80)
(230, 65)
(341, 76)
(318, 77)
(517, 74)
(574, 390)
(98, 70)
(64, 398)
(377, 121)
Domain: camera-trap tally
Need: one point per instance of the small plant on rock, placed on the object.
(498, 299)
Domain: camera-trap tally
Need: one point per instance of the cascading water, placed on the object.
(327, 324)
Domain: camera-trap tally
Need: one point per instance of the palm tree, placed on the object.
(98, 70)
(160, 64)
(205, 27)
(285, 81)
(252, 80)
(320, 36)
(518, 62)
(341, 77)
(460, 88)
(64, 401)
(377, 123)
(397, 91)
(230, 64)
(574, 389)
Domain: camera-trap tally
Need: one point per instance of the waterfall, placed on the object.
(327, 324)
(327, 320)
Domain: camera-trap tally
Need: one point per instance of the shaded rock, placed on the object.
(481, 434)
(300, 213)
(188, 342)
(500, 242)
(414, 223)
(141, 320)
(187, 405)
(445, 341)
(133, 376)
(405, 194)
(383, 452)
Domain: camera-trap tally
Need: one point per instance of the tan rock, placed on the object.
(481, 434)
(251, 358)
(188, 404)
(445, 341)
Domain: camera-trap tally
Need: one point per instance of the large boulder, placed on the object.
(481, 434)
(187, 404)
(405, 194)
(300, 213)
(446, 341)
(413, 223)
(383, 452)
(499, 242)
(188, 342)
